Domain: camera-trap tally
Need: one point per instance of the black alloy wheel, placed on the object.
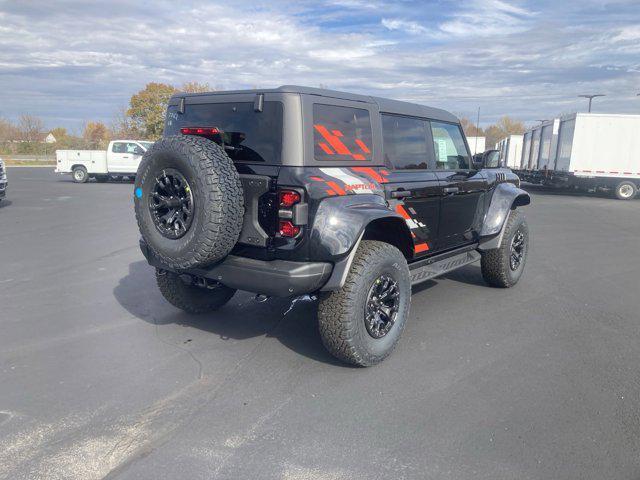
(171, 204)
(517, 250)
(383, 304)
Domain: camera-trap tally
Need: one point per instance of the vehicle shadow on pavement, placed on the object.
(294, 326)
(5, 203)
(470, 274)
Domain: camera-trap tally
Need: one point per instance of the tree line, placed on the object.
(493, 133)
(143, 119)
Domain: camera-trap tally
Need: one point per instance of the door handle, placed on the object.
(125, 156)
(451, 189)
(400, 193)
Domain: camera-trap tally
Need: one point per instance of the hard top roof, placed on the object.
(384, 104)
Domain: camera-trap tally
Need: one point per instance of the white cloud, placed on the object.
(628, 34)
(487, 18)
(413, 28)
(450, 54)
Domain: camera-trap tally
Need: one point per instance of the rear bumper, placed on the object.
(278, 278)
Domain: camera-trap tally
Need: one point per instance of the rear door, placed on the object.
(413, 188)
(463, 187)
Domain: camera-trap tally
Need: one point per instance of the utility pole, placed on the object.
(475, 148)
(591, 97)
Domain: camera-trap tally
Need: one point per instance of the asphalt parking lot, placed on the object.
(99, 376)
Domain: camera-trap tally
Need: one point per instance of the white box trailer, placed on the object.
(585, 150)
(121, 158)
(510, 149)
(477, 144)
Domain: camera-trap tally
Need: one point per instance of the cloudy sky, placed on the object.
(72, 61)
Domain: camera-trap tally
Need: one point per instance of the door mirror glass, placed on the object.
(492, 159)
(488, 159)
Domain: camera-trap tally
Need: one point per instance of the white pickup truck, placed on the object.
(121, 158)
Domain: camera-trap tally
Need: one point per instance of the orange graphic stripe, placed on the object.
(372, 173)
(336, 188)
(420, 247)
(400, 209)
(326, 148)
(334, 141)
(362, 145)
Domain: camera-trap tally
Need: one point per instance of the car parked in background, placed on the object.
(121, 158)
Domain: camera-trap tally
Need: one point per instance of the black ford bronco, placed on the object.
(297, 190)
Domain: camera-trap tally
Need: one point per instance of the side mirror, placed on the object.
(488, 159)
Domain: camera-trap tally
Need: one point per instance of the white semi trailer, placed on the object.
(585, 151)
(510, 149)
(121, 158)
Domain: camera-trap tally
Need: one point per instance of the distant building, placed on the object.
(46, 137)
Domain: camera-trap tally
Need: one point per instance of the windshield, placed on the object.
(247, 135)
(146, 145)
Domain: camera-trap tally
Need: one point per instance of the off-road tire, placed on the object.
(80, 175)
(341, 314)
(622, 189)
(495, 264)
(191, 298)
(218, 204)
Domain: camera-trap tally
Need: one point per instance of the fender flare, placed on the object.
(506, 196)
(339, 223)
(339, 226)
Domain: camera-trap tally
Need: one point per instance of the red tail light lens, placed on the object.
(288, 198)
(199, 131)
(288, 229)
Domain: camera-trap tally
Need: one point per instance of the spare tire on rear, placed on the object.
(188, 201)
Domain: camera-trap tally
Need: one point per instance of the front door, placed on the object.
(463, 187)
(125, 157)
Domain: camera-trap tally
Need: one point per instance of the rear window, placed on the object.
(249, 136)
(405, 142)
(341, 133)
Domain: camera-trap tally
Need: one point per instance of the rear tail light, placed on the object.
(288, 229)
(288, 198)
(289, 207)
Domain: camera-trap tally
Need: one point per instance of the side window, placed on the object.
(341, 133)
(119, 147)
(134, 148)
(405, 142)
(448, 142)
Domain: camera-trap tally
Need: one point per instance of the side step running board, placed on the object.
(426, 270)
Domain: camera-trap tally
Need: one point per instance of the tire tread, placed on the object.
(337, 315)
